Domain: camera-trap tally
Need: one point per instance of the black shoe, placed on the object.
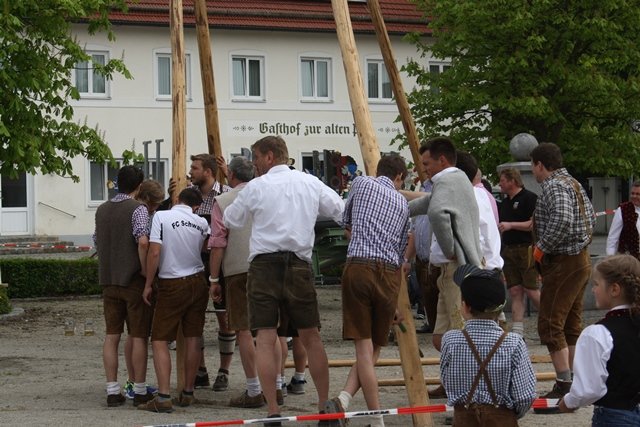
(114, 400)
(273, 423)
(560, 388)
(142, 398)
(424, 329)
(202, 381)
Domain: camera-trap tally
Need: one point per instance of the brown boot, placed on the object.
(560, 388)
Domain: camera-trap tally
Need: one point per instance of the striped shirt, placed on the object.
(379, 219)
(510, 369)
(561, 227)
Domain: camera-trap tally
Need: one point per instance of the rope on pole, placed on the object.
(538, 403)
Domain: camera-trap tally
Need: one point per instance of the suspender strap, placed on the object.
(482, 368)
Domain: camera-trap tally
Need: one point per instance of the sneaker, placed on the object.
(172, 345)
(185, 399)
(221, 383)
(285, 393)
(325, 423)
(437, 393)
(128, 389)
(142, 398)
(296, 386)
(560, 388)
(245, 401)
(154, 405)
(279, 397)
(424, 329)
(334, 406)
(114, 400)
(202, 381)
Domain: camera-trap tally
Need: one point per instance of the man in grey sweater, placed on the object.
(453, 213)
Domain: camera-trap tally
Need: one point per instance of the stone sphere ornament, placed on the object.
(521, 146)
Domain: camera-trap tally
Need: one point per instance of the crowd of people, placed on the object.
(248, 246)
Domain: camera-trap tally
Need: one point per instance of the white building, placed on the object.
(278, 70)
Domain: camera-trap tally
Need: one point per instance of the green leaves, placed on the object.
(566, 72)
(37, 55)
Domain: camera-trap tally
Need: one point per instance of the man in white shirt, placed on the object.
(284, 205)
(624, 234)
(176, 240)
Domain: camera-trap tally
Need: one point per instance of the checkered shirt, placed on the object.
(206, 207)
(510, 369)
(140, 221)
(379, 219)
(560, 226)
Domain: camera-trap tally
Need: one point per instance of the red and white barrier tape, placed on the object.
(538, 403)
(606, 212)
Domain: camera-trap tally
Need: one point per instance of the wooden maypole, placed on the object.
(208, 83)
(179, 140)
(396, 83)
(409, 351)
(361, 115)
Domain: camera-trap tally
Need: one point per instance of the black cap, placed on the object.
(482, 290)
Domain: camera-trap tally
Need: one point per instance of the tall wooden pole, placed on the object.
(208, 83)
(361, 115)
(179, 140)
(396, 83)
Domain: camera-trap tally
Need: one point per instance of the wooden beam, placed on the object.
(542, 376)
(179, 140)
(396, 84)
(208, 83)
(359, 105)
(410, 356)
(425, 361)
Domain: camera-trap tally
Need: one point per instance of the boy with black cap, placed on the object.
(486, 372)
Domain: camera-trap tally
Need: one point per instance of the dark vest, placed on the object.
(118, 259)
(623, 384)
(629, 241)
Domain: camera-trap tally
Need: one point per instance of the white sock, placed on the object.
(502, 317)
(518, 328)
(345, 399)
(140, 388)
(113, 387)
(299, 376)
(253, 387)
(278, 382)
(376, 421)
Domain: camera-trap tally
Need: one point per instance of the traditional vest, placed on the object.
(629, 240)
(236, 255)
(623, 383)
(118, 260)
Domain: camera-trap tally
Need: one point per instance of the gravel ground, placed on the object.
(51, 379)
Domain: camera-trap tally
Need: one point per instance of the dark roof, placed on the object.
(401, 16)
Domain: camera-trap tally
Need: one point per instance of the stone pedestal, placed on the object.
(520, 146)
(528, 179)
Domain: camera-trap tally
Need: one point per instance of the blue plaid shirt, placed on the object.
(510, 369)
(379, 219)
(140, 221)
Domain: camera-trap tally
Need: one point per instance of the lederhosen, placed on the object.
(472, 414)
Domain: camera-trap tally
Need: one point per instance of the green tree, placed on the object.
(565, 71)
(37, 54)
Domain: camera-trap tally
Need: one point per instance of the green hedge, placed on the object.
(5, 304)
(30, 278)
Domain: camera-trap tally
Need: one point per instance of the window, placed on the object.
(378, 83)
(315, 74)
(435, 69)
(103, 178)
(163, 74)
(248, 77)
(89, 81)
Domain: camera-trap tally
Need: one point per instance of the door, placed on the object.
(16, 210)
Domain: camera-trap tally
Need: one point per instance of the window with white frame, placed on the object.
(315, 78)
(247, 74)
(163, 74)
(103, 178)
(435, 69)
(378, 83)
(89, 81)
